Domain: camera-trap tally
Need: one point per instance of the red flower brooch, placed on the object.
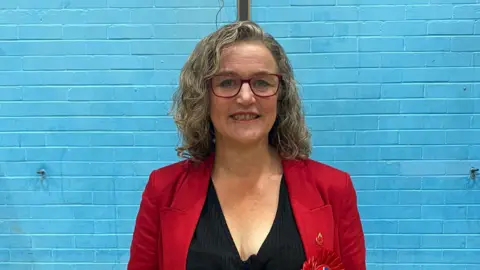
(324, 259)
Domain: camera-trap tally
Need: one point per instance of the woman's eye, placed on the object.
(262, 83)
(228, 83)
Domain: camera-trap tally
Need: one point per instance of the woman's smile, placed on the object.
(245, 117)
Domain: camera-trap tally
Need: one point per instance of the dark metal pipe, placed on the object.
(243, 8)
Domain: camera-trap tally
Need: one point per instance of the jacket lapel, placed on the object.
(178, 221)
(314, 218)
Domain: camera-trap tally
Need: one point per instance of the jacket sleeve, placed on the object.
(351, 236)
(144, 246)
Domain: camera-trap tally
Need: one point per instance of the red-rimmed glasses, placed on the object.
(262, 85)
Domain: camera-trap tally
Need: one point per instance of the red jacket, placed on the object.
(323, 201)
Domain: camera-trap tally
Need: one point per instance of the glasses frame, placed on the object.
(249, 81)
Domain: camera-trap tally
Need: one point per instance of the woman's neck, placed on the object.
(246, 161)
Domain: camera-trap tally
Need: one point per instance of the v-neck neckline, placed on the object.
(228, 233)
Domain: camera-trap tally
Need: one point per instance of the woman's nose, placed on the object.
(246, 93)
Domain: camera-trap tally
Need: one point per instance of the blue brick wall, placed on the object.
(391, 89)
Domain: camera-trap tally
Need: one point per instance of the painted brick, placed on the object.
(196, 3)
(284, 14)
(8, 32)
(385, 2)
(336, 13)
(198, 15)
(358, 28)
(443, 242)
(53, 241)
(466, 44)
(180, 31)
(377, 137)
(129, 4)
(39, 32)
(130, 32)
(376, 13)
(428, 12)
(391, 92)
(311, 29)
(427, 44)
(393, 60)
(334, 44)
(451, 28)
(52, 4)
(404, 28)
(374, 44)
(466, 11)
(453, 1)
(461, 59)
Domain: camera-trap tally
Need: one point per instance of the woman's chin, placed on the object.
(248, 139)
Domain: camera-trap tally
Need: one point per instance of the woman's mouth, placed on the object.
(245, 116)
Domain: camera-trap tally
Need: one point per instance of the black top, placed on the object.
(212, 246)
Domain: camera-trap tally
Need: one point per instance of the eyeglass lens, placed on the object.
(261, 85)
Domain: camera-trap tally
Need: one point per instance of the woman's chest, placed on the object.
(248, 216)
(246, 240)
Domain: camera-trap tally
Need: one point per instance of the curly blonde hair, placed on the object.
(289, 134)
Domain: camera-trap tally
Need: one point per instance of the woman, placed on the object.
(247, 196)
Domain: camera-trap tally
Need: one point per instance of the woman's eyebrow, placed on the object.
(230, 72)
(226, 72)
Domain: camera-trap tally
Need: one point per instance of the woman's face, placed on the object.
(244, 118)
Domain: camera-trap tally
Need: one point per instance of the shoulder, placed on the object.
(164, 180)
(166, 174)
(325, 173)
(323, 168)
(334, 183)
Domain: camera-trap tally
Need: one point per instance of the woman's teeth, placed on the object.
(245, 116)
